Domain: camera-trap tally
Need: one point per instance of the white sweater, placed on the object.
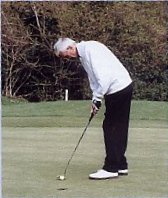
(106, 73)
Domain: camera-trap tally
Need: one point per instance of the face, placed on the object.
(70, 52)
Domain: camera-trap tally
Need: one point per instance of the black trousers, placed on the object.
(115, 127)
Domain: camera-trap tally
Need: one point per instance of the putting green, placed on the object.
(34, 157)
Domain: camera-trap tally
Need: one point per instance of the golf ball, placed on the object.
(61, 177)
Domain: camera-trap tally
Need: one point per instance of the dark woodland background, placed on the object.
(135, 31)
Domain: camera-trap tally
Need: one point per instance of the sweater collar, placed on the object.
(80, 48)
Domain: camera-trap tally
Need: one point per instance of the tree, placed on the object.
(14, 46)
(135, 31)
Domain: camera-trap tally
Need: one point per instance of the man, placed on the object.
(109, 79)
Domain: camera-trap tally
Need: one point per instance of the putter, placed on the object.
(63, 177)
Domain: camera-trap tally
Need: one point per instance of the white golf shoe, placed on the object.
(103, 174)
(123, 172)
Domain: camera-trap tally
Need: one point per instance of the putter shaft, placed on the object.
(92, 115)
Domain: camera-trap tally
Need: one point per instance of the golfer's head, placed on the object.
(65, 48)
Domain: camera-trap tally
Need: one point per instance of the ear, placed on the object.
(73, 50)
(72, 47)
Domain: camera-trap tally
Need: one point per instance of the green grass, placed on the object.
(75, 114)
(38, 139)
(33, 157)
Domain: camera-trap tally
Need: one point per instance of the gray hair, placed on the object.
(62, 44)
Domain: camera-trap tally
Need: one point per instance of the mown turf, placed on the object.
(75, 114)
(38, 139)
(33, 157)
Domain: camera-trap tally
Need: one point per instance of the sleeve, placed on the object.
(99, 80)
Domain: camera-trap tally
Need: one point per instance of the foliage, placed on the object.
(135, 31)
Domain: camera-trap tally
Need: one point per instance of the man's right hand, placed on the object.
(95, 106)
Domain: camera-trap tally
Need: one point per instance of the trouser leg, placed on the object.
(115, 127)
